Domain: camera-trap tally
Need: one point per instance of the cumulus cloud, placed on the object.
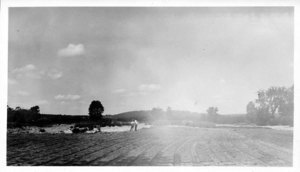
(29, 71)
(149, 87)
(54, 74)
(71, 50)
(67, 97)
(23, 93)
(29, 67)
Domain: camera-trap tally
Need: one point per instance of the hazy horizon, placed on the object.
(139, 58)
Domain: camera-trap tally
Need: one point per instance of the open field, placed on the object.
(156, 146)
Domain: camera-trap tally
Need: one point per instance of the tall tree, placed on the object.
(169, 111)
(212, 113)
(9, 109)
(95, 110)
(287, 109)
(272, 104)
(272, 99)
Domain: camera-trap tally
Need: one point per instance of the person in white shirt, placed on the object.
(135, 125)
(132, 124)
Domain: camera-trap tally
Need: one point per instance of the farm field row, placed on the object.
(157, 146)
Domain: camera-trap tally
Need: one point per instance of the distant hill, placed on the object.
(173, 116)
(156, 114)
(131, 115)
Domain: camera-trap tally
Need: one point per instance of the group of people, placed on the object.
(134, 125)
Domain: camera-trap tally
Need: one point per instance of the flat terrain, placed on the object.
(155, 147)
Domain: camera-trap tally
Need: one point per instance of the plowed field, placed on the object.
(155, 147)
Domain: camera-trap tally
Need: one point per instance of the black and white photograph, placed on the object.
(150, 86)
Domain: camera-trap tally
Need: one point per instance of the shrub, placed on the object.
(90, 125)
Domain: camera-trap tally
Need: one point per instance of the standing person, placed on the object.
(135, 125)
(132, 124)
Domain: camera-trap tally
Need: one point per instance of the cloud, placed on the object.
(63, 102)
(67, 97)
(149, 87)
(119, 91)
(54, 74)
(29, 67)
(23, 93)
(29, 71)
(71, 50)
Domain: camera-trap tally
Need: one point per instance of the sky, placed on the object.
(140, 58)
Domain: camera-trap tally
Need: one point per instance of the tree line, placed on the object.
(274, 106)
(21, 115)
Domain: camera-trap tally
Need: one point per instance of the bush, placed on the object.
(15, 125)
(22, 116)
(89, 125)
(286, 120)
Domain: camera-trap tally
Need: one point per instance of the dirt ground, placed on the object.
(158, 146)
(65, 128)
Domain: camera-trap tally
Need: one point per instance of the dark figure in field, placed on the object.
(132, 125)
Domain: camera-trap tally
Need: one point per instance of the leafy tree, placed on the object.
(35, 109)
(9, 109)
(169, 109)
(275, 101)
(287, 108)
(10, 114)
(212, 113)
(263, 116)
(95, 110)
(25, 116)
(169, 112)
(272, 99)
(286, 111)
